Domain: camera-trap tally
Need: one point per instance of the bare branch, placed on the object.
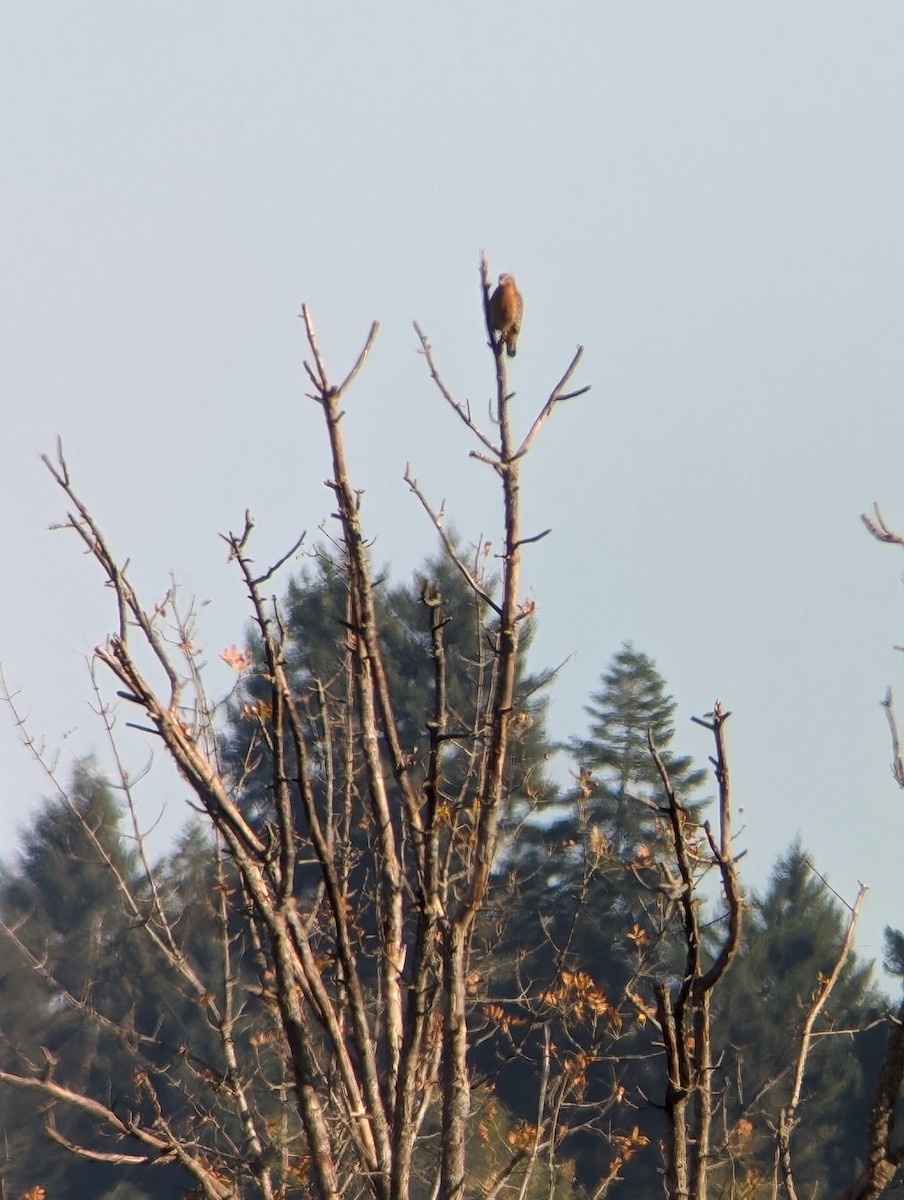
(897, 764)
(449, 546)
(556, 396)
(879, 528)
(359, 363)
(463, 412)
(162, 1147)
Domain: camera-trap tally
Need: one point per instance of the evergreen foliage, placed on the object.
(631, 702)
(582, 895)
(63, 905)
(794, 932)
(585, 871)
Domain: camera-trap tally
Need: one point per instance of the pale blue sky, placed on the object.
(709, 197)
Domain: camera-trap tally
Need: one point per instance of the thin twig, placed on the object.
(450, 548)
(456, 406)
(557, 396)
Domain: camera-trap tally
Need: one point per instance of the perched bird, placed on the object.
(506, 307)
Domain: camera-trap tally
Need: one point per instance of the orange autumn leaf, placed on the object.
(239, 660)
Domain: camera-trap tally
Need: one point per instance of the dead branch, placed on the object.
(461, 410)
(162, 1147)
(556, 396)
(880, 530)
(448, 545)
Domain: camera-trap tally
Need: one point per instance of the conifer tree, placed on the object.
(631, 702)
(586, 895)
(69, 952)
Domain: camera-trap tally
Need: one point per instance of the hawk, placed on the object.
(506, 307)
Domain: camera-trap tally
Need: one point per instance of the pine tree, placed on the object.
(589, 853)
(631, 702)
(583, 902)
(61, 903)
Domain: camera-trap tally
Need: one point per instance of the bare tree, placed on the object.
(370, 1076)
(348, 994)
